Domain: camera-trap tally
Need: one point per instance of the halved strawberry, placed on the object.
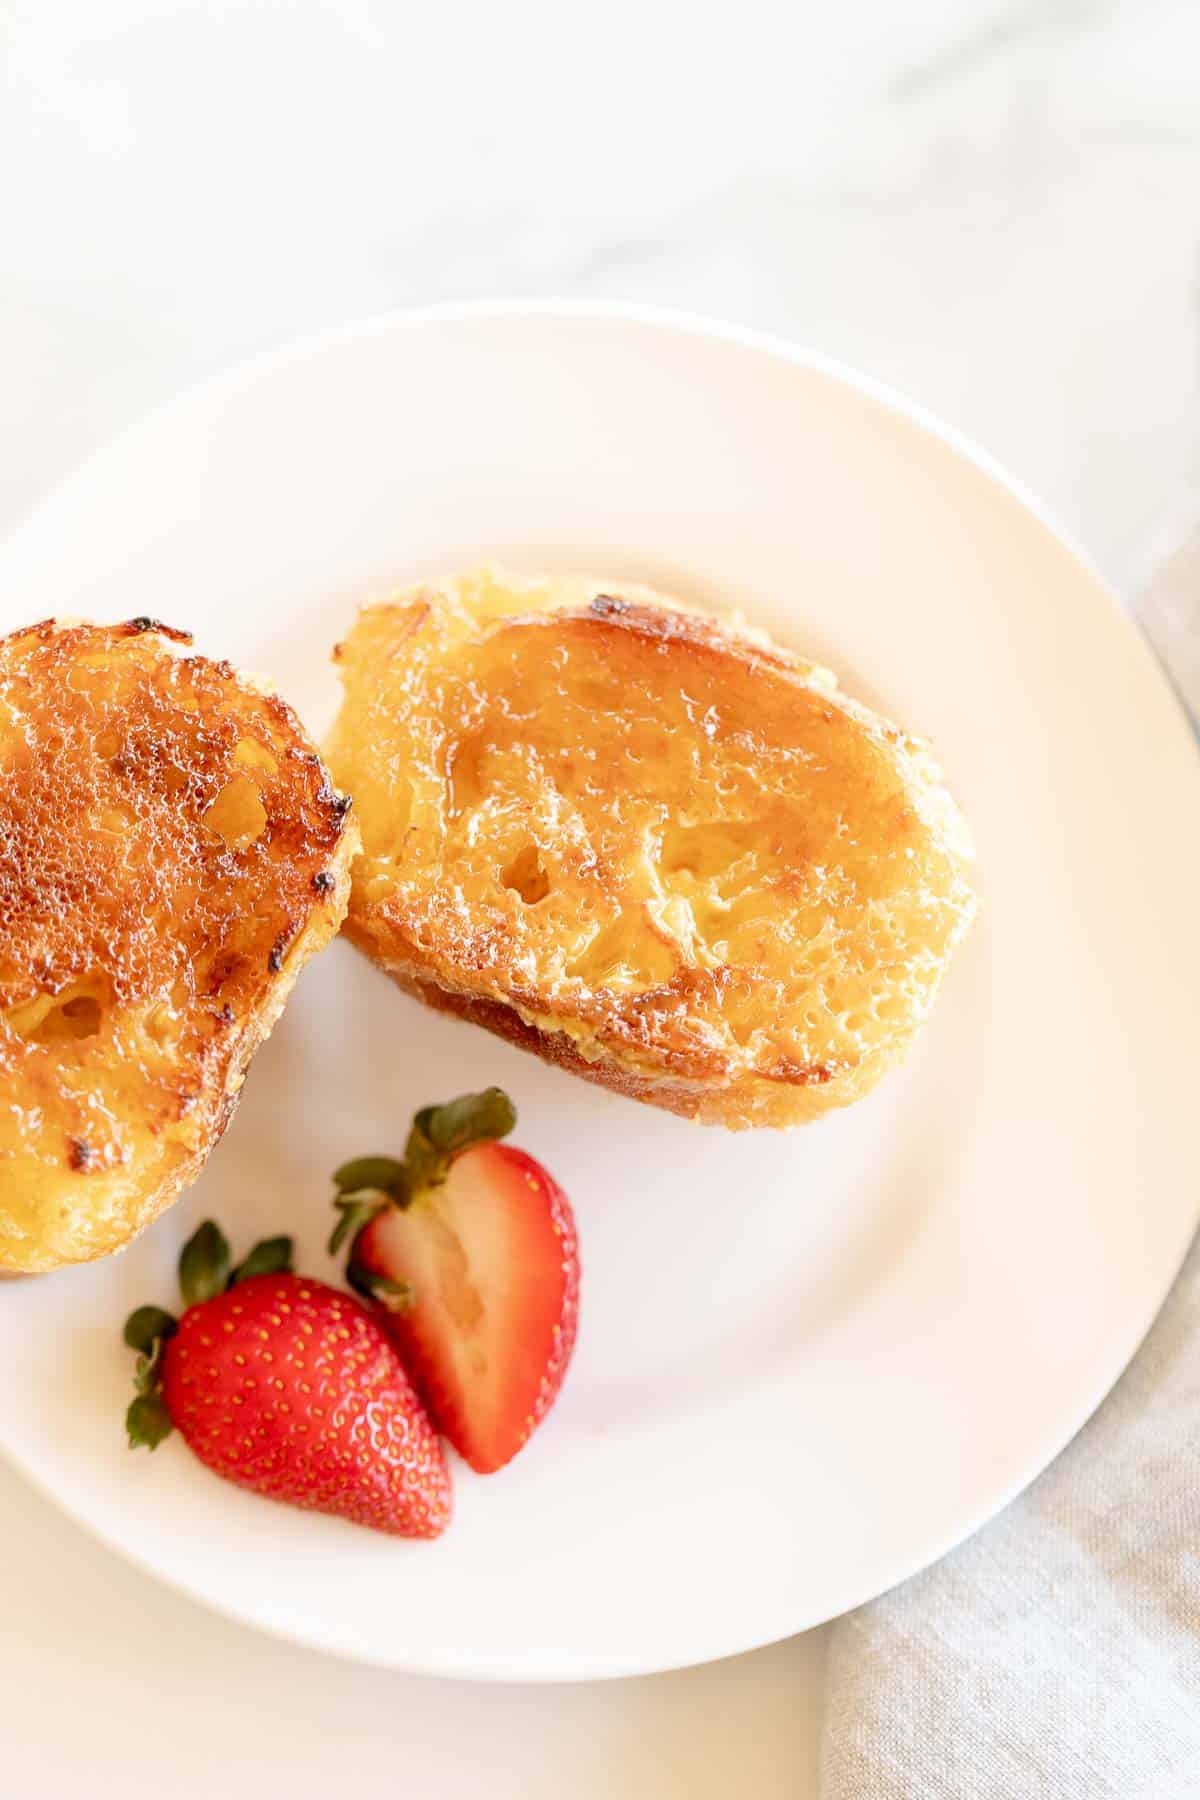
(468, 1249)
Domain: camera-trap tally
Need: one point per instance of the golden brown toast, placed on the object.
(658, 852)
(171, 854)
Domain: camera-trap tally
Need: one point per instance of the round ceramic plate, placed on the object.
(808, 1363)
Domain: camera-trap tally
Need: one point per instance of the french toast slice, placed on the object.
(653, 849)
(171, 853)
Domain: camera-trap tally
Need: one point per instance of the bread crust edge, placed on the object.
(746, 1101)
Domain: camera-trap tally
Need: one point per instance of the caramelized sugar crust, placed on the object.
(171, 852)
(655, 850)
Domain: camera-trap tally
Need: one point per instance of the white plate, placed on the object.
(808, 1363)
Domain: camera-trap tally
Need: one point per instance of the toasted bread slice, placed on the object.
(171, 854)
(655, 850)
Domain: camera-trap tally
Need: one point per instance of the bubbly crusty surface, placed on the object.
(171, 853)
(658, 852)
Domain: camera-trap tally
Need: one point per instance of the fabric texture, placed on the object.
(1056, 1656)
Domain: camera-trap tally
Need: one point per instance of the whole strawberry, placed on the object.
(468, 1249)
(287, 1387)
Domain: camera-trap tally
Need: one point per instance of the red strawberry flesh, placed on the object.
(292, 1389)
(492, 1260)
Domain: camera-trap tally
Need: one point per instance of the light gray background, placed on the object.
(994, 207)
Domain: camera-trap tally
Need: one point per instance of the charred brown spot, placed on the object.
(324, 881)
(279, 950)
(80, 1155)
(143, 622)
(338, 804)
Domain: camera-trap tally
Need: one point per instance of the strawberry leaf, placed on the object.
(382, 1172)
(356, 1211)
(439, 1133)
(146, 1325)
(204, 1265)
(147, 1421)
(272, 1257)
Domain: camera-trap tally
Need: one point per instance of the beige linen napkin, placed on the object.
(1057, 1655)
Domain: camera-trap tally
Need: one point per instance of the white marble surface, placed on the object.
(993, 206)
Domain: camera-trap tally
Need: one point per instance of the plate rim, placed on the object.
(242, 373)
